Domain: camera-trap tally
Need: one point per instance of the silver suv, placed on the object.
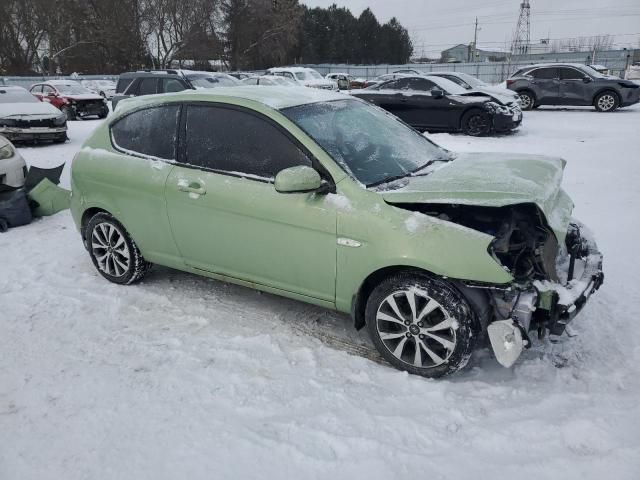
(571, 84)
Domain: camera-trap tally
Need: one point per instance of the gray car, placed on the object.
(571, 84)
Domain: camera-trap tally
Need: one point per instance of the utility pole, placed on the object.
(475, 42)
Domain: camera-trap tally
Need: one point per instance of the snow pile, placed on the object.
(184, 377)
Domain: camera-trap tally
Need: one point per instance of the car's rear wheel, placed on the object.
(606, 102)
(421, 325)
(113, 252)
(476, 123)
(527, 100)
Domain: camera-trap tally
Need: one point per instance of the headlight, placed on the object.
(497, 108)
(6, 152)
(60, 121)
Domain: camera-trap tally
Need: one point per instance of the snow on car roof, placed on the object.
(289, 69)
(276, 97)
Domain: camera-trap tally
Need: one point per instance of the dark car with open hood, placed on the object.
(23, 118)
(439, 105)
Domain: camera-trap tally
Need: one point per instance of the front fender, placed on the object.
(393, 237)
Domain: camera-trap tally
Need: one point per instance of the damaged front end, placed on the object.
(552, 279)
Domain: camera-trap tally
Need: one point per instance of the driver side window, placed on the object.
(228, 140)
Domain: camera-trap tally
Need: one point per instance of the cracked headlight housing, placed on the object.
(59, 121)
(497, 108)
(6, 151)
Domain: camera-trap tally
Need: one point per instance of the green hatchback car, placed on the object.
(327, 199)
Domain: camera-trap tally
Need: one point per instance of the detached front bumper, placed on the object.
(34, 134)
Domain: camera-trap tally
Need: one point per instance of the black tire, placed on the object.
(476, 123)
(113, 252)
(4, 225)
(68, 111)
(607, 101)
(527, 100)
(457, 335)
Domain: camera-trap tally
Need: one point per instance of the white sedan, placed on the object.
(13, 169)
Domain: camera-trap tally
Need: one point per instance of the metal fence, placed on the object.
(489, 72)
(26, 82)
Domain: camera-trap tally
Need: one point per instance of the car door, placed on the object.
(546, 85)
(226, 215)
(422, 109)
(52, 96)
(574, 90)
(132, 182)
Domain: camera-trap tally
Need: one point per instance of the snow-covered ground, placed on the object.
(184, 377)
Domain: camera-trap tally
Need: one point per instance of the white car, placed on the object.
(469, 82)
(269, 80)
(13, 169)
(306, 77)
(104, 88)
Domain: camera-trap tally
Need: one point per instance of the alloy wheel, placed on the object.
(606, 102)
(110, 250)
(416, 329)
(477, 125)
(526, 101)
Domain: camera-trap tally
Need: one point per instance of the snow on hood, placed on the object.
(493, 180)
(28, 109)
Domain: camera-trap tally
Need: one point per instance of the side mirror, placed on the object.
(586, 79)
(437, 93)
(52, 94)
(297, 180)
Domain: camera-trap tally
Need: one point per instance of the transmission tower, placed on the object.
(522, 35)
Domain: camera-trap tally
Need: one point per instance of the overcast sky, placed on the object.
(435, 25)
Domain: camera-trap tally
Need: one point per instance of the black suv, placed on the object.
(149, 82)
(571, 84)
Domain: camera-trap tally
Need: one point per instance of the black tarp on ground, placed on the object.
(14, 208)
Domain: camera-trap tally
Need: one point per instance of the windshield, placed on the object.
(308, 75)
(471, 80)
(71, 89)
(212, 81)
(370, 144)
(16, 96)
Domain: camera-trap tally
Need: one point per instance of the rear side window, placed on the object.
(545, 73)
(122, 85)
(151, 132)
(148, 86)
(232, 141)
(172, 85)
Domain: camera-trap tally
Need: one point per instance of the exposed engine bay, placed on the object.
(551, 282)
(523, 243)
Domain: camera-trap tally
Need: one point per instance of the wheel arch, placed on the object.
(604, 90)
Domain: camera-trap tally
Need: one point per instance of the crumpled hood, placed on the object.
(28, 110)
(493, 180)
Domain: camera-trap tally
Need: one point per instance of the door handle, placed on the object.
(192, 187)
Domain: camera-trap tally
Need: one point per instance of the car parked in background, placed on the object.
(323, 198)
(346, 81)
(24, 118)
(571, 84)
(150, 82)
(13, 169)
(385, 78)
(438, 104)
(71, 98)
(104, 88)
(306, 77)
(269, 80)
(471, 83)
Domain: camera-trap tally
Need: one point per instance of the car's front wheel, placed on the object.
(606, 102)
(113, 252)
(476, 123)
(421, 325)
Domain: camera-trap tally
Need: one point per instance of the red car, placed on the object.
(72, 98)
